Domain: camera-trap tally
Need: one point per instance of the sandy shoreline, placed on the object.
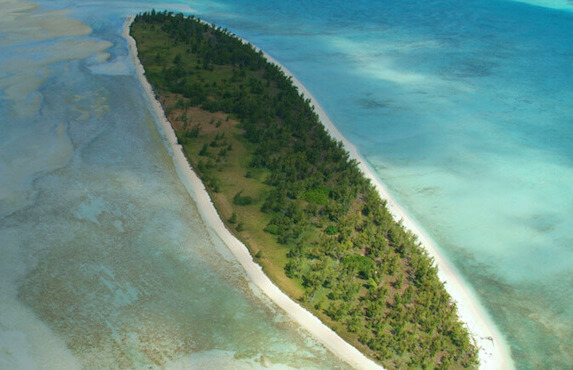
(494, 352)
(196, 189)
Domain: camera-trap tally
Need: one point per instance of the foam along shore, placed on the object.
(494, 352)
(197, 190)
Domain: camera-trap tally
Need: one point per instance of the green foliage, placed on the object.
(194, 131)
(331, 230)
(204, 150)
(272, 229)
(233, 218)
(317, 195)
(241, 200)
(357, 266)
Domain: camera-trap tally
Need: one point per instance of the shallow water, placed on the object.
(105, 261)
(461, 108)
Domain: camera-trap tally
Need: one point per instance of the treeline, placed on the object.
(356, 265)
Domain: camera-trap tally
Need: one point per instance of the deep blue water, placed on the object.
(463, 109)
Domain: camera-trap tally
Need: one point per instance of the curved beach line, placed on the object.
(494, 352)
(197, 190)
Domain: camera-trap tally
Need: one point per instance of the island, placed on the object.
(293, 195)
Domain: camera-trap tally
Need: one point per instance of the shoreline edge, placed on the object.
(494, 352)
(306, 320)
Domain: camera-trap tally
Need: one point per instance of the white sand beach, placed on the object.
(494, 352)
(196, 189)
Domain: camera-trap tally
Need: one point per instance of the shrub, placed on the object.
(272, 229)
(233, 218)
(317, 195)
(331, 230)
(240, 200)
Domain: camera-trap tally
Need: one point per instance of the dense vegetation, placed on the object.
(291, 193)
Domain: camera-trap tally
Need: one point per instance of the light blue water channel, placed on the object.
(462, 108)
